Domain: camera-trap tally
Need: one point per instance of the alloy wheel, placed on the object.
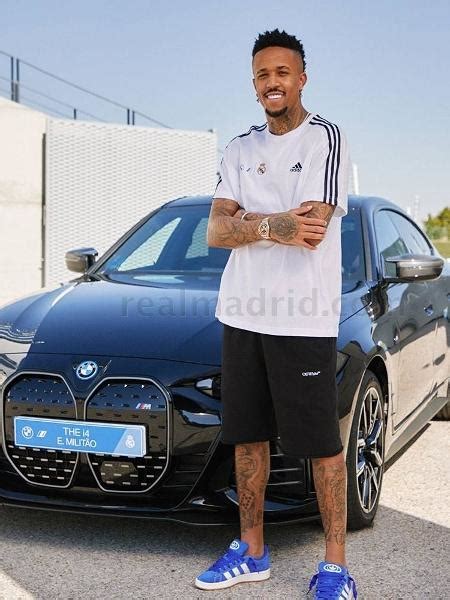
(370, 449)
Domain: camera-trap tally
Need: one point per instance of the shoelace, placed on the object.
(229, 559)
(329, 584)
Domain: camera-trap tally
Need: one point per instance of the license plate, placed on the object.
(80, 436)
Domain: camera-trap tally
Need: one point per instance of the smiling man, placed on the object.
(278, 204)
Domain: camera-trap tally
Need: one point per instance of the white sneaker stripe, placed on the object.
(236, 571)
(228, 575)
(245, 568)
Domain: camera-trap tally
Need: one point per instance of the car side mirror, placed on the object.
(80, 259)
(412, 267)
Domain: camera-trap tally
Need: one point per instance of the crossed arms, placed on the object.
(302, 226)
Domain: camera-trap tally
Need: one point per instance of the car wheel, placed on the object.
(365, 455)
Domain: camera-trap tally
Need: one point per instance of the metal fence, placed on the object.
(22, 81)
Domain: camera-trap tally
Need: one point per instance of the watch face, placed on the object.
(264, 228)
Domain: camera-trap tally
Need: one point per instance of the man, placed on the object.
(282, 190)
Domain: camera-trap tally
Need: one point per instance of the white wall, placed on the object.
(21, 135)
(102, 178)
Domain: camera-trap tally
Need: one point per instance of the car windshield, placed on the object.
(172, 242)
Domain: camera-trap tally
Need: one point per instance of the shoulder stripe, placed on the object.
(219, 181)
(252, 128)
(333, 159)
(331, 179)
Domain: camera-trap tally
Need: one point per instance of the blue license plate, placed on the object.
(80, 436)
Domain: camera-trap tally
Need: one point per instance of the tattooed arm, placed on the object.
(319, 210)
(226, 230)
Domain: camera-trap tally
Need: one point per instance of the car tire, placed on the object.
(365, 454)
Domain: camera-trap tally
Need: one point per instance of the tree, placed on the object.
(438, 227)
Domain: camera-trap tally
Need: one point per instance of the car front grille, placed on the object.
(39, 396)
(287, 476)
(287, 479)
(115, 400)
(126, 401)
(44, 466)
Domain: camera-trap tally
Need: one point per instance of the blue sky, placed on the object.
(379, 69)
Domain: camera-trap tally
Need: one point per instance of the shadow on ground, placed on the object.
(55, 556)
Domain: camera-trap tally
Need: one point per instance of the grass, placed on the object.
(444, 248)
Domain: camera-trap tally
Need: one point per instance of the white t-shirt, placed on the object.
(271, 287)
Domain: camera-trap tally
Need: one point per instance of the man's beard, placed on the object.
(276, 113)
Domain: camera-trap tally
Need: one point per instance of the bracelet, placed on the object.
(247, 212)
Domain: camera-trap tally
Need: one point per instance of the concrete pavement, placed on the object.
(404, 556)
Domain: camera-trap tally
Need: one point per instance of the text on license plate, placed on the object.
(80, 436)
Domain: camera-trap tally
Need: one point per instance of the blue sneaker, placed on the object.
(233, 567)
(333, 582)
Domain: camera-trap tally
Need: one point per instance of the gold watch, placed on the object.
(264, 228)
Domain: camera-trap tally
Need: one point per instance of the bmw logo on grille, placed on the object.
(87, 369)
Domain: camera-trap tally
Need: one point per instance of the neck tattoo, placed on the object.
(285, 124)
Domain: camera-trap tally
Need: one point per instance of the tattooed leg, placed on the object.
(252, 473)
(330, 480)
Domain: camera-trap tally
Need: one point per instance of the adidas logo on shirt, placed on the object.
(297, 168)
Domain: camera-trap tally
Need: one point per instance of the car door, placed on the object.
(413, 321)
(436, 301)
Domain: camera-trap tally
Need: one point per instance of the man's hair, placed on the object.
(278, 38)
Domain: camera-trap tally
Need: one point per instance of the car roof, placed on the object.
(354, 201)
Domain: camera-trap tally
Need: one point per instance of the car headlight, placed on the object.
(210, 386)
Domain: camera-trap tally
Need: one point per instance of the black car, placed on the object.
(110, 384)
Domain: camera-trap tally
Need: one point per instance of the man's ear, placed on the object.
(302, 80)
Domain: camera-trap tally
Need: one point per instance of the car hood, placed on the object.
(114, 319)
(118, 319)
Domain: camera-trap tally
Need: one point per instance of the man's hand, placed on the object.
(297, 228)
(319, 210)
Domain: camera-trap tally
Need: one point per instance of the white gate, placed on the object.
(102, 178)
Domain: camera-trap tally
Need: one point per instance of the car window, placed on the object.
(173, 239)
(148, 253)
(416, 242)
(389, 241)
(198, 246)
(353, 265)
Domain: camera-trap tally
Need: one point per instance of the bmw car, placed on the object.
(111, 383)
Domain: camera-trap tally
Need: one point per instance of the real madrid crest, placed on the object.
(262, 168)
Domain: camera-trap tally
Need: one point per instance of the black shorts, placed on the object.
(277, 385)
